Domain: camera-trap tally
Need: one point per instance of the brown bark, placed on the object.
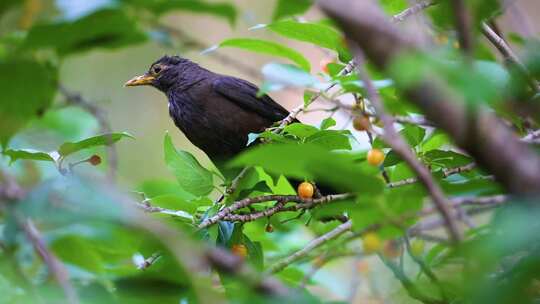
(494, 147)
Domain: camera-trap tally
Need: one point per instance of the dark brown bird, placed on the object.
(216, 112)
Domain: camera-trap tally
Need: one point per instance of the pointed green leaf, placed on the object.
(314, 163)
(268, 47)
(218, 9)
(100, 140)
(189, 173)
(287, 8)
(315, 33)
(19, 102)
(107, 28)
(28, 154)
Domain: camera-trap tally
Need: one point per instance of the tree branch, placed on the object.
(350, 66)
(425, 269)
(336, 232)
(508, 54)
(409, 286)
(463, 22)
(400, 146)
(77, 99)
(55, 266)
(418, 7)
(226, 211)
(479, 133)
(294, 112)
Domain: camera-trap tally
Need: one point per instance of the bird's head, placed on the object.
(163, 74)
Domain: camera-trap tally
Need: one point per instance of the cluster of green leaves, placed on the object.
(100, 239)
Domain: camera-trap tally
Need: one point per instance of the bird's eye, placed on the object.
(156, 69)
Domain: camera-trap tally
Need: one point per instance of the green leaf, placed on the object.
(413, 134)
(308, 97)
(392, 7)
(367, 211)
(280, 76)
(100, 140)
(435, 141)
(291, 275)
(28, 154)
(255, 253)
(447, 159)
(327, 123)
(391, 159)
(218, 9)
(225, 233)
(189, 173)
(287, 8)
(20, 103)
(481, 82)
(315, 33)
(331, 139)
(395, 203)
(174, 202)
(300, 130)
(268, 47)
(269, 135)
(314, 163)
(378, 143)
(153, 188)
(78, 251)
(5, 5)
(107, 28)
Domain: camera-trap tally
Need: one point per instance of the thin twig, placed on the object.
(409, 286)
(500, 44)
(104, 124)
(418, 7)
(236, 180)
(485, 203)
(425, 269)
(463, 21)
(294, 112)
(532, 137)
(508, 54)
(55, 266)
(365, 23)
(149, 261)
(146, 206)
(226, 211)
(398, 144)
(9, 188)
(319, 262)
(315, 243)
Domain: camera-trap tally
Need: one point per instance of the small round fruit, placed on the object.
(305, 190)
(392, 249)
(362, 266)
(94, 160)
(417, 248)
(269, 228)
(324, 65)
(361, 123)
(371, 243)
(375, 157)
(239, 250)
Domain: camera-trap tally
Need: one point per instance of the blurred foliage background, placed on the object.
(70, 232)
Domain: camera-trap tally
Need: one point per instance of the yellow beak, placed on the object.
(145, 79)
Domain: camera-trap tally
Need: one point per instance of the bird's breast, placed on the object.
(214, 124)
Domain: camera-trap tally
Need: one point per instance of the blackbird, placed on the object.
(216, 112)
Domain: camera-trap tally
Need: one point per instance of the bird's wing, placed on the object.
(244, 94)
